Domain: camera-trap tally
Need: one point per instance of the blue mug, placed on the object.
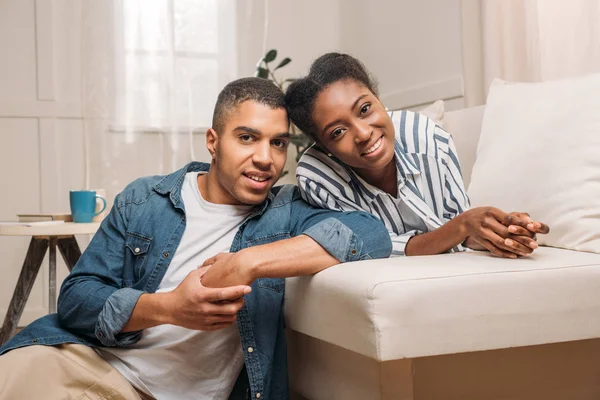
(83, 205)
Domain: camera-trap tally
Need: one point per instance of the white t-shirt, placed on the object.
(171, 362)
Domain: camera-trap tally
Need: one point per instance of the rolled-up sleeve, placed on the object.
(399, 242)
(114, 316)
(347, 236)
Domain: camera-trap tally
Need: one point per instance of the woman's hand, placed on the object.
(505, 235)
(533, 227)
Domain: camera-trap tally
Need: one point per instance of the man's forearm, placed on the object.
(149, 311)
(296, 256)
(437, 241)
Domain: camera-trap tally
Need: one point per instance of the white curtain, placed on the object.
(151, 72)
(539, 40)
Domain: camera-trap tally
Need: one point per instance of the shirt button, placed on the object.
(137, 250)
(353, 251)
(166, 254)
(258, 395)
(250, 349)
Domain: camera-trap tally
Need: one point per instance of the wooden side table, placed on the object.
(43, 237)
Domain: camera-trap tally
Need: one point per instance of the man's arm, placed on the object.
(321, 239)
(347, 236)
(92, 301)
(296, 256)
(286, 258)
(191, 305)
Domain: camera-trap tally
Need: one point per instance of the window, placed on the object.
(173, 58)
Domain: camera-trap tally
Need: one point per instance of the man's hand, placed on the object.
(194, 306)
(506, 235)
(227, 269)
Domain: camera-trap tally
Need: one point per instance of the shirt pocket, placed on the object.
(137, 250)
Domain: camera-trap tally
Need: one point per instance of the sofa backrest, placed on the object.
(465, 127)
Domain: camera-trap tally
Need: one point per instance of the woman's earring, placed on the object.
(387, 109)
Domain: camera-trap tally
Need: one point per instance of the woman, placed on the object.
(399, 166)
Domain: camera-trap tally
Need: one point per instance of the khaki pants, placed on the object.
(69, 371)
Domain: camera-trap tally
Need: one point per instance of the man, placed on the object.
(137, 318)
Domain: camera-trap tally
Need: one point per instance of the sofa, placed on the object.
(452, 326)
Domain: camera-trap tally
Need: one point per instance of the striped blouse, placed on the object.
(430, 186)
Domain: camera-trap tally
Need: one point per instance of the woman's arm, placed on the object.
(483, 228)
(437, 241)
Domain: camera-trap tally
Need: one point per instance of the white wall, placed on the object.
(413, 48)
(301, 30)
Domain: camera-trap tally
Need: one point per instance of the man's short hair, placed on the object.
(260, 90)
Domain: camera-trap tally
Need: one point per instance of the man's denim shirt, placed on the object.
(131, 252)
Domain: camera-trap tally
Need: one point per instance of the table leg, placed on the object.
(31, 266)
(70, 250)
(52, 276)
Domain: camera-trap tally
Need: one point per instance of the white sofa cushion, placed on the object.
(435, 111)
(421, 306)
(539, 152)
(465, 127)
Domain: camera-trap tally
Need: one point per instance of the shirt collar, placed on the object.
(171, 184)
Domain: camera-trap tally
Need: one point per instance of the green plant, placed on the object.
(264, 70)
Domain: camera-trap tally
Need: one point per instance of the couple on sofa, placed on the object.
(150, 309)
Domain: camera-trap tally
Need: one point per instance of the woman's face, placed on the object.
(354, 126)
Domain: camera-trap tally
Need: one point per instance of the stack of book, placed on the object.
(42, 217)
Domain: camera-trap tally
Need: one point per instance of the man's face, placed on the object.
(250, 152)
